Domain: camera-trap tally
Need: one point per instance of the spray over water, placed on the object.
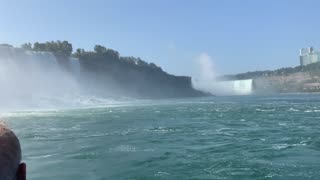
(205, 79)
(31, 80)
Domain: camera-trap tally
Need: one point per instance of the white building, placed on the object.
(309, 56)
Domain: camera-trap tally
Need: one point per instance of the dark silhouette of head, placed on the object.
(11, 167)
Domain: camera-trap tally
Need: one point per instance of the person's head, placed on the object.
(11, 167)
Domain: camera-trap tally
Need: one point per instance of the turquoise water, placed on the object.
(248, 137)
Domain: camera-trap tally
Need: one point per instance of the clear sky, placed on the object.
(239, 35)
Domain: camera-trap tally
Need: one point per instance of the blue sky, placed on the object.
(239, 35)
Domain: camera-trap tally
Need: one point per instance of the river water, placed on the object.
(239, 137)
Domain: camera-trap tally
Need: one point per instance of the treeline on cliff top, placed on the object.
(65, 48)
(312, 68)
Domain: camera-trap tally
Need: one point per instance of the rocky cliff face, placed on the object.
(284, 80)
(112, 74)
(295, 82)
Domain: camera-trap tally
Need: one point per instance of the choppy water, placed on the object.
(248, 137)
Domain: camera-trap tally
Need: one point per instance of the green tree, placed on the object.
(39, 46)
(100, 49)
(67, 48)
(80, 51)
(57, 47)
(27, 46)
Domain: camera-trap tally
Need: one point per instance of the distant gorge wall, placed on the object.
(295, 82)
(303, 78)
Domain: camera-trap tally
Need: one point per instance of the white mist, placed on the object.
(205, 79)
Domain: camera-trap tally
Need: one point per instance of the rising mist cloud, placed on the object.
(205, 78)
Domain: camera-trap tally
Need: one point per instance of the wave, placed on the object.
(285, 146)
(265, 110)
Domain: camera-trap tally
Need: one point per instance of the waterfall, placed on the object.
(236, 87)
(74, 66)
(31, 79)
(243, 87)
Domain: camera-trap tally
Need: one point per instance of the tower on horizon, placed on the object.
(309, 56)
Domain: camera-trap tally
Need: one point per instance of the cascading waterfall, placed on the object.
(236, 87)
(36, 79)
(74, 66)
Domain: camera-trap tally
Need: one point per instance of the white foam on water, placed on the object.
(162, 174)
(265, 110)
(123, 148)
(294, 110)
(282, 124)
(285, 146)
(280, 146)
